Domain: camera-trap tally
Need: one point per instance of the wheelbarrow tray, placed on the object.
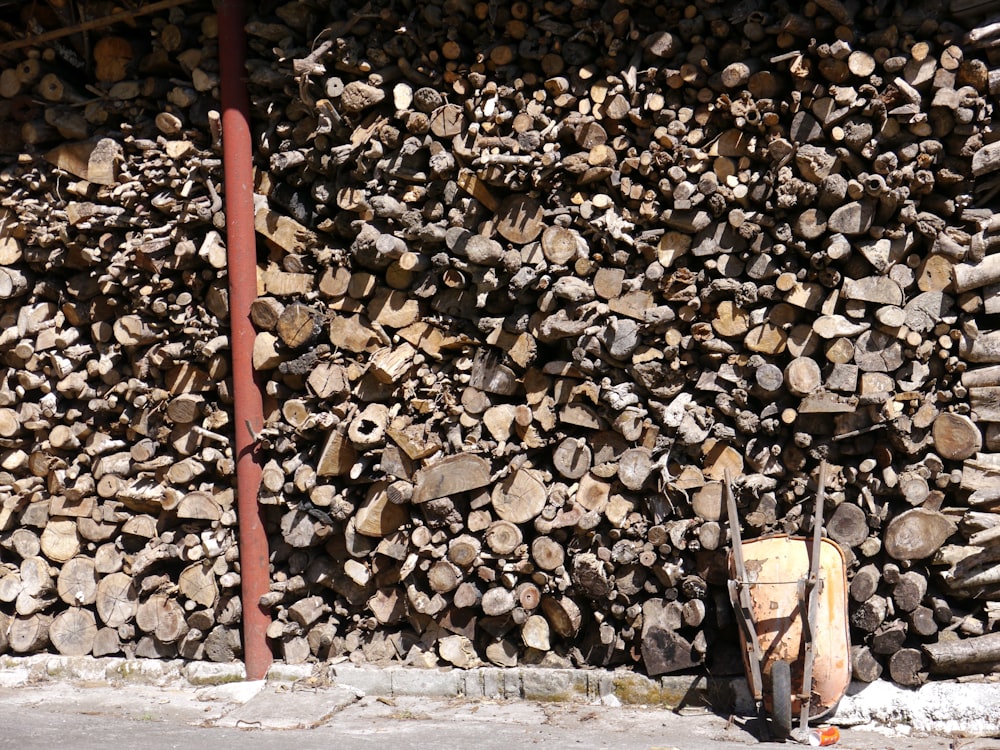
(776, 569)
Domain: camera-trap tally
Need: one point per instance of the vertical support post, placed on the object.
(248, 408)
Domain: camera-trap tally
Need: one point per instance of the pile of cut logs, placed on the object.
(533, 278)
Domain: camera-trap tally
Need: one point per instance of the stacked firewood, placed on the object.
(116, 497)
(533, 279)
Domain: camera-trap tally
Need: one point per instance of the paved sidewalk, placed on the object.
(48, 701)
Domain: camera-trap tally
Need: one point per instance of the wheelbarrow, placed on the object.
(790, 598)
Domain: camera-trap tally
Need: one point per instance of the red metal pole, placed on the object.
(241, 240)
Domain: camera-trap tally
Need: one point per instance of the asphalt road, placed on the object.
(284, 717)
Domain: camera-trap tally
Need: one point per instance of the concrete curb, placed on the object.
(947, 707)
(526, 683)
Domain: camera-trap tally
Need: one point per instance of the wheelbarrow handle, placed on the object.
(740, 598)
(812, 605)
(818, 521)
(734, 528)
(739, 594)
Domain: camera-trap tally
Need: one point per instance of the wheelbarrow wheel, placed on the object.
(781, 699)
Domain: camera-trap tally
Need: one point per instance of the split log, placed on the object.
(378, 516)
(664, 648)
(93, 161)
(973, 570)
(162, 617)
(198, 584)
(450, 476)
(535, 633)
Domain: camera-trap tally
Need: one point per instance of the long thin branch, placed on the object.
(94, 23)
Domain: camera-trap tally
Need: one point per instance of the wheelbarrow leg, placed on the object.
(813, 587)
(739, 595)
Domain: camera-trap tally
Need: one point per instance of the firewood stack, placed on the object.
(116, 497)
(533, 278)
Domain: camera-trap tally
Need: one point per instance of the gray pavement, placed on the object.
(54, 702)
